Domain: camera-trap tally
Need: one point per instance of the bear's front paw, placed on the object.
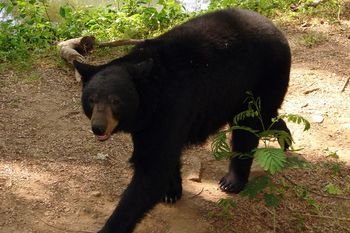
(173, 193)
(172, 197)
(230, 184)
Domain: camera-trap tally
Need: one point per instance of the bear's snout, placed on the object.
(103, 122)
(98, 129)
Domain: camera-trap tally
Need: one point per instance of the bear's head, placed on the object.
(110, 98)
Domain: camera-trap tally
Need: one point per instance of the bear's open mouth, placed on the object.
(103, 137)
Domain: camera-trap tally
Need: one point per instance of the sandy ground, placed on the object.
(55, 177)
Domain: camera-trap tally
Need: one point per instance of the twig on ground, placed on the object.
(326, 217)
(314, 192)
(310, 91)
(197, 194)
(273, 213)
(345, 84)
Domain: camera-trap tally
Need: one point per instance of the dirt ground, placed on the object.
(56, 177)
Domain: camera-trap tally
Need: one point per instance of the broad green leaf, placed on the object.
(9, 9)
(332, 189)
(296, 119)
(220, 147)
(282, 137)
(271, 200)
(245, 128)
(270, 159)
(63, 12)
(255, 186)
(227, 203)
(243, 115)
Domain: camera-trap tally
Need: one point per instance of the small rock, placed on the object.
(317, 119)
(101, 156)
(96, 193)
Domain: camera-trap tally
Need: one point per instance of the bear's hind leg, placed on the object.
(243, 142)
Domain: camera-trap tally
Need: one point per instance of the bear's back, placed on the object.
(222, 41)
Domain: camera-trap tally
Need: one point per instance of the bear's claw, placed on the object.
(229, 184)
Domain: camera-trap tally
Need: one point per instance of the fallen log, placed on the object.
(75, 49)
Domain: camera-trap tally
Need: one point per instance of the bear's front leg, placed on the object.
(173, 191)
(143, 193)
(154, 166)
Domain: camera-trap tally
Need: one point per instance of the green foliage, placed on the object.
(278, 7)
(270, 159)
(227, 203)
(295, 119)
(28, 27)
(271, 200)
(220, 147)
(303, 194)
(332, 189)
(331, 154)
(312, 39)
(32, 26)
(267, 7)
(256, 186)
(261, 188)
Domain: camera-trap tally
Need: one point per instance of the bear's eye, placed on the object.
(91, 100)
(114, 100)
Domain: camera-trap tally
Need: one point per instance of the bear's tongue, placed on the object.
(102, 137)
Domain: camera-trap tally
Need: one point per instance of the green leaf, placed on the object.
(332, 189)
(282, 137)
(243, 115)
(296, 119)
(63, 12)
(9, 9)
(271, 200)
(227, 203)
(220, 147)
(270, 159)
(245, 128)
(255, 186)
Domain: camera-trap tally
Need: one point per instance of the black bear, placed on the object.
(176, 90)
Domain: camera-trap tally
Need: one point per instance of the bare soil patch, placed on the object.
(55, 177)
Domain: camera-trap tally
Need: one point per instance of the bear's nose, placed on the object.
(98, 129)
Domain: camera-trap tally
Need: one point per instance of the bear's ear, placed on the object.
(141, 69)
(85, 70)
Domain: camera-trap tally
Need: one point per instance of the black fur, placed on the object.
(179, 88)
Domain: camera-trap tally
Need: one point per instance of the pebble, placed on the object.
(317, 119)
(96, 193)
(101, 156)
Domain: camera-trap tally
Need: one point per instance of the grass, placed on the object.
(312, 39)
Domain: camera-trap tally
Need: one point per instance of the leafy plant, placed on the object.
(312, 39)
(270, 159)
(332, 189)
(303, 194)
(28, 27)
(273, 8)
